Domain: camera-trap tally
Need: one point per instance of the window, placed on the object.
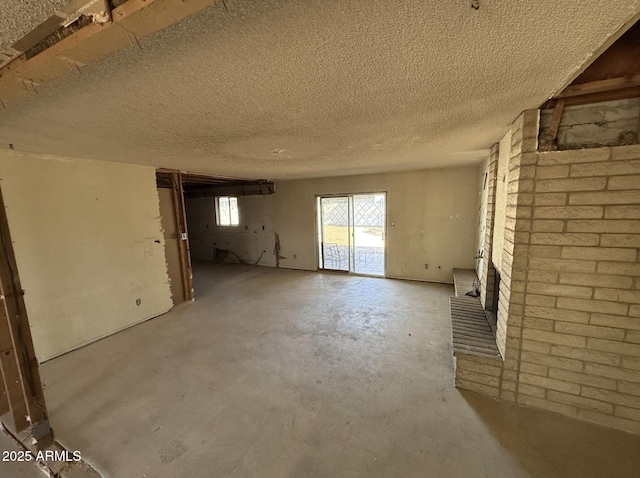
(227, 211)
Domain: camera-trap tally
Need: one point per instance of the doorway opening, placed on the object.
(352, 233)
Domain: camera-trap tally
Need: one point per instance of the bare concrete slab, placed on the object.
(299, 374)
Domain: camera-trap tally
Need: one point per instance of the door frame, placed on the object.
(320, 250)
(317, 230)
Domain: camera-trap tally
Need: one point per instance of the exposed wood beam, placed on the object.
(619, 94)
(133, 19)
(189, 177)
(232, 189)
(183, 235)
(17, 356)
(600, 86)
(555, 120)
(5, 407)
(619, 60)
(12, 377)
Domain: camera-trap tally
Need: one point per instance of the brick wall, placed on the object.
(581, 324)
(569, 312)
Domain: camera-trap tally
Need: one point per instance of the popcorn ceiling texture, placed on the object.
(19, 17)
(281, 89)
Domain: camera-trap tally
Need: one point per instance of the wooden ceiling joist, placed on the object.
(130, 21)
(602, 86)
(614, 75)
(612, 95)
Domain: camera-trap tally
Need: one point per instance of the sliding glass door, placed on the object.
(351, 233)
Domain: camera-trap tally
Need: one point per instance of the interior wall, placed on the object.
(88, 244)
(431, 219)
(250, 240)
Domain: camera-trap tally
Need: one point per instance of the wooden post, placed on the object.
(183, 235)
(20, 373)
(12, 376)
(4, 398)
(555, 120)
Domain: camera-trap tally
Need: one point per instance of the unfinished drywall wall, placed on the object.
(251, 240)
(88, 244)
(431, 219)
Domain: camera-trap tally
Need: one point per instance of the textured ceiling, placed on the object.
(280, 89)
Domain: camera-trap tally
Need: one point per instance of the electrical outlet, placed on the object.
(426, 266)
(138, 302)
(295, 256)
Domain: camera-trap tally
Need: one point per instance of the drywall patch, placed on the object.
(612, 123)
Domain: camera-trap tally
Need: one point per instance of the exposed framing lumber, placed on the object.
(133, 19)
(620, 94)
(600, 86)
(552, 133)
(21, 378)
(547, 140)
(242, 188)
(12, 377)
(4, 398)
(175, 180)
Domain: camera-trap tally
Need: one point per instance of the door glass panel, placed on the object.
(335, 233)
(368, 221)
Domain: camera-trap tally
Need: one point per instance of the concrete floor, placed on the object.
(278, 373)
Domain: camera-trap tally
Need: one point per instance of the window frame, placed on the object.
(230, 218)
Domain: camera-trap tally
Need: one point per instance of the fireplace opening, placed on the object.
(491, 307)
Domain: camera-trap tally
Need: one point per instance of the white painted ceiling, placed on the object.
(281, 89)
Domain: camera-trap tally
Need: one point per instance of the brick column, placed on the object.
(513, 278)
